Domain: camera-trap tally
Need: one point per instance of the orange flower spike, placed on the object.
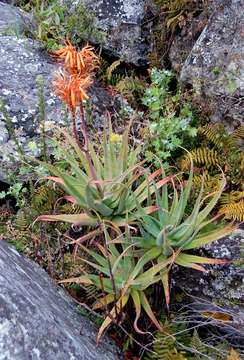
(84, 85)
(77, 63)
(64, 52)
(68, 54)
(87, 57)
(71, 89)
(60, 87)
(80, 62)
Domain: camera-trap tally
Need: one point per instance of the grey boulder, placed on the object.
(184, 41)
(215, 66)
(122, 23)
(224, 283)
(21, 62)
(13, 21)
(38, 320)
(222, 287)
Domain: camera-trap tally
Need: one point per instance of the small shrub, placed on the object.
(172, 232)
(169, 122)
(55, 23)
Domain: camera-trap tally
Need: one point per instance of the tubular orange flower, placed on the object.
(88, 57)
(82, 62)
(71, 85)
(67, 53)
(71, 89)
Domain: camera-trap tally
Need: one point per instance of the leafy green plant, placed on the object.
(121, 276)
(169, 124)
(177, 10)
(108, 184)
(81, 25)
(17, 191)
(174, 16)
(169, 230)
(49, 17)
(55, 22)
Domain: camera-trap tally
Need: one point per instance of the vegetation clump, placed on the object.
(54, 22)
(170, 117)
(112, 220)
(119, 195)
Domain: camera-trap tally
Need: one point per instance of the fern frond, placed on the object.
(111, 69)
(201, 157)
(199, 178)
(239, 133)
(44, 198)
(197, 345)
(21, 221)
(234, 211)
(218, 136)
(233, 196)
(70, 209)
(210, 183)
(128, 84)
(167, 342)
(213, 133)
(92, 293)
(131, 87)
(164, 349)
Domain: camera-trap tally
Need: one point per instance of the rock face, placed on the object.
(12, 20)
(222, 286)
(121, 21)
(38, 321)
(184, 41)
(22, 61)
(215, 66)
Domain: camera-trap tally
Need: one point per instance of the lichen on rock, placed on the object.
(215, 66)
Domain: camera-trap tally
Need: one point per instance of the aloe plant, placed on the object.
(109, 186)
(169, 231)
(121, 275)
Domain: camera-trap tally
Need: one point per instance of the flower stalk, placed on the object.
(71, 85)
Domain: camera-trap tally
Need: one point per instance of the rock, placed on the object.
(222, 286)
(121, 21)
(13, 21)
(21, 62)
(38, 320)
(215, 66)
(184, 41)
